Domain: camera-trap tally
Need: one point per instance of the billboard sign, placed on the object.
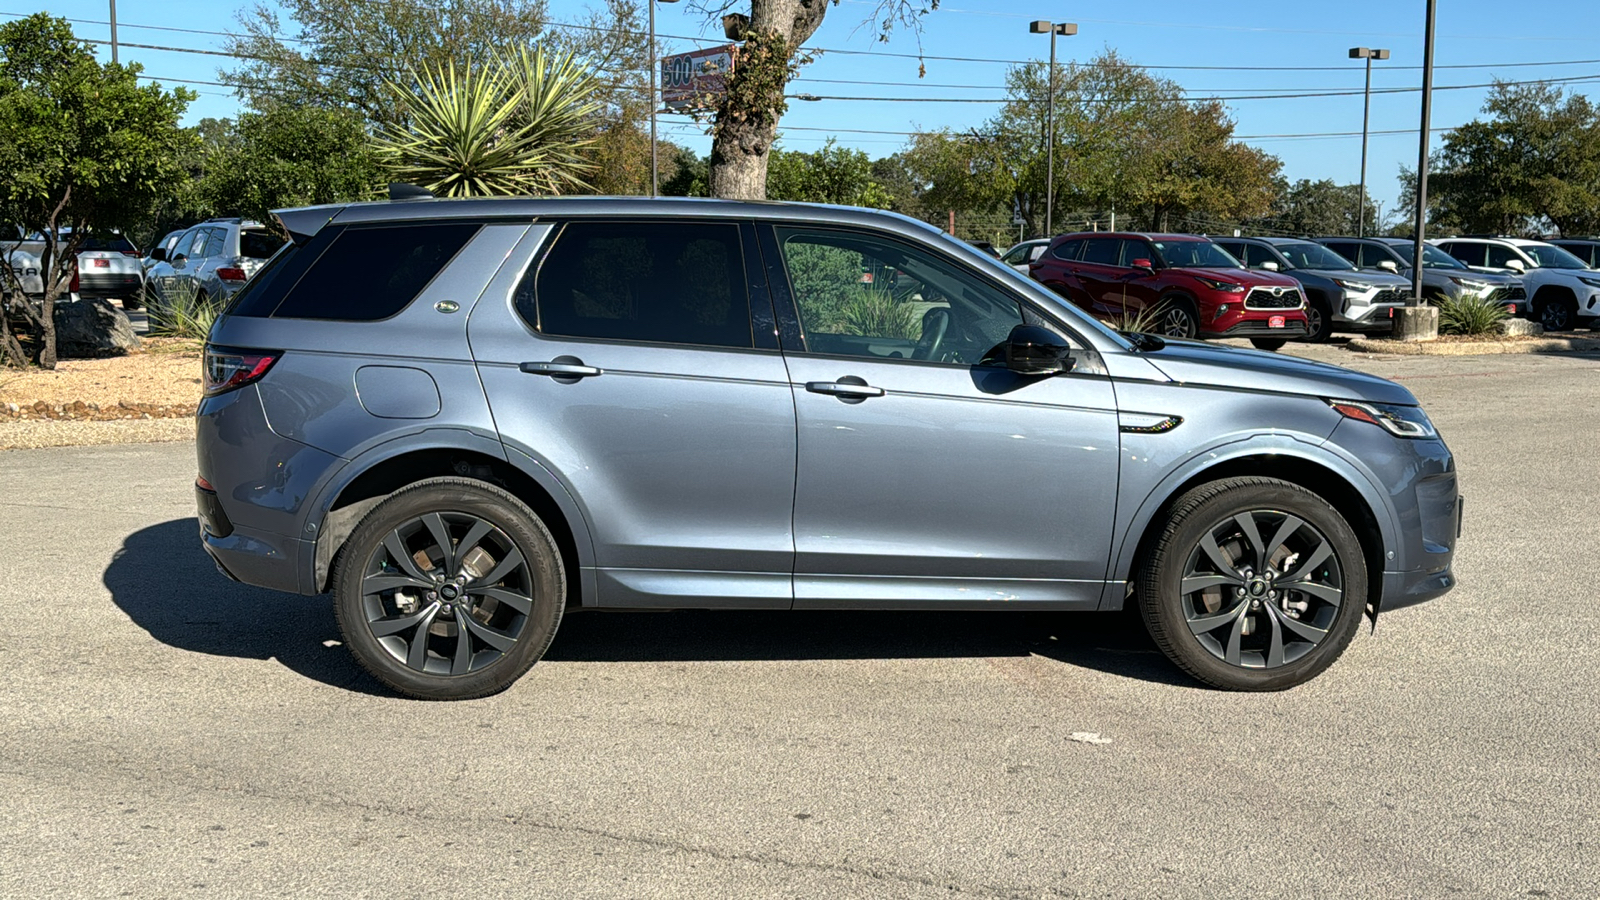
(694, 80)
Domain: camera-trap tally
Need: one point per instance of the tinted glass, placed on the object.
(187, 240)
(1306, 255)
(1103, 251)
(1132, 250)
(1552, 257)
(258, 244)
(372, 273)
(1473, 254)
(1346, 249)
(1372, 255)
(1067, 250)
(678, 283)
(214, 241)
(1236, 250)
(871, 296)
(1584, 252)
(1203, 254)
(1432, 257)
(115, 243)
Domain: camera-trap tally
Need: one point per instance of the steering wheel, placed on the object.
(935, 325)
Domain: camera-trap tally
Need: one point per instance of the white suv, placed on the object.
(1565, 292)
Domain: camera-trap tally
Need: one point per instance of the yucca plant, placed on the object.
(878, 312)
(183, 312)
(1146, 320)
(1469, 315)
(512, 126)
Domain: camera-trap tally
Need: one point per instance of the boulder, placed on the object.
(92, 328)
(1520, 326)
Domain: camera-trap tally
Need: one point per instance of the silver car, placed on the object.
(465, 418)
(209, 261)
(108, 269)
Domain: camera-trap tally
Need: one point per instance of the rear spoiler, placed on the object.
(303, 223)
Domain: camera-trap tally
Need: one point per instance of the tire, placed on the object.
(1319, 322)
(132, 304)
(1268, 343)
(510, 601)
(1557, 315)
(1178, 319)
(1290, 641)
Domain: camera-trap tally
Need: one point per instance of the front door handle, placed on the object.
(565, 369)
(843, 389)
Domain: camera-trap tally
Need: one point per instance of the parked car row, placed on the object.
(1274, 289)
(208, 261)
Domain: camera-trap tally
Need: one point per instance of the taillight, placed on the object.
(231, 273)
(132, 253)
(73, 287)
(227, 368)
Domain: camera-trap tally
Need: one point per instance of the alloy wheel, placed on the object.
(447, 593)
(1261, 589)
(1176, 322)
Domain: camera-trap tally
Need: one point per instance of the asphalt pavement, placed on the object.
(168, 733)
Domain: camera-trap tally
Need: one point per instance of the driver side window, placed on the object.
(869, 296)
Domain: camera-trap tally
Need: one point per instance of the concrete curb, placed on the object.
(1473, 348)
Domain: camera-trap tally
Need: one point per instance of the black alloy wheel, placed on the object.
(450, 589)
(1256, 584)
(1319, 322)
(1556, 315)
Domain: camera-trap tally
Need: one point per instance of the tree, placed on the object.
(84, 147)
(1314, 207)
(745, 119)
(832, 174)
(508, 127)
(287, 156)
(342, 53)
(1534, 162)
(1192, 166)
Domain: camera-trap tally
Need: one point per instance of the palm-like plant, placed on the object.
(511, 127)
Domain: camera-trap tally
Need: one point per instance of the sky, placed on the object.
(1235, 49)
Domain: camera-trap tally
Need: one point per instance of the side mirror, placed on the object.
(1144, 265)
(1388, 265)
(1516, 265)
(159, 254)
(1270, 266)
(1036, 350)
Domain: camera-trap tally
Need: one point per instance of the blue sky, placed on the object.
(1309, 41)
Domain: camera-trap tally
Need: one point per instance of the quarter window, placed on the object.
(1067, 250)
(678, 283)
(372, 273)
(1103, 251)
(869, 296)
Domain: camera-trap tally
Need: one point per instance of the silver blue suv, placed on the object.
(466, 418)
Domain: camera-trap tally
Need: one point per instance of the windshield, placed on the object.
(1552, 257)
(1196, 254)
(1306, 255)
(1432, 257)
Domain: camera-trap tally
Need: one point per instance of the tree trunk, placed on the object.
(747, 118)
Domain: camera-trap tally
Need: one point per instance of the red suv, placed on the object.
(1194, 286)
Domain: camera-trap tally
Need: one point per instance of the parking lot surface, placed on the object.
(170, 733)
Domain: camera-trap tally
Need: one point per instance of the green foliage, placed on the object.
(510, 127)
(1469, 315)
(1315, 207)
(832, 174)
(878, 312)
(182, 312)
(1536, 157)
(84, 147)
(825, 282)
(287, 156)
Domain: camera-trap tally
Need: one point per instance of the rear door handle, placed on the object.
(843, 389)
(561, 369)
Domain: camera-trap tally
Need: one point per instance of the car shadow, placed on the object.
(168, 586)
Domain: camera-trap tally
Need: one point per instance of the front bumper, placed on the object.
(1291, 329)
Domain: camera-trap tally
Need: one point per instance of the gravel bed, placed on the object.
(32, 434)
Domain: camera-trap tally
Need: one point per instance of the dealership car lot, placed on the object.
(172, 733)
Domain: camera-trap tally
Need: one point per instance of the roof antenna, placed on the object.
(399, 190)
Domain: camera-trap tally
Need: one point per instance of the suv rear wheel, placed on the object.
(449, 590)
(1255, 584)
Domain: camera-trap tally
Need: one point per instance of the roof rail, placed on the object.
(223, 219)
(401, 191)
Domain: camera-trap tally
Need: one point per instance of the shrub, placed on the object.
(879, 313)
(1470, 315)
(182, 312)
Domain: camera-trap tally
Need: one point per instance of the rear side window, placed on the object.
(213, 243)
(258, 244)
(1068, 250)
(679, 283)
(373, 273)
(1104, 251)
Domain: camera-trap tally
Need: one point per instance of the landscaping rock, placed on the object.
(92, 328)
(1520, 326)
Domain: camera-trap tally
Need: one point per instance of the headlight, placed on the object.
(1400, 421)
(1468, 283)
(1224, 286)
(1349, 285)
(1592, 282)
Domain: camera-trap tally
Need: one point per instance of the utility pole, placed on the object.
(1053, 28)
(655, 99)
(114, 31)
(1422, 157)
(1369, 55)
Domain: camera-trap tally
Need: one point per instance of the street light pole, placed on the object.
(1422, 158)
(113, 32)
(1054, 28)
(1369, 55)
(654, 185)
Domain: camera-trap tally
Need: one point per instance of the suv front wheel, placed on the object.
(449, 590)
(1255, 584)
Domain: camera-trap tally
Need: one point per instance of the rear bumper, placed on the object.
(106, 286)
(255, 557)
